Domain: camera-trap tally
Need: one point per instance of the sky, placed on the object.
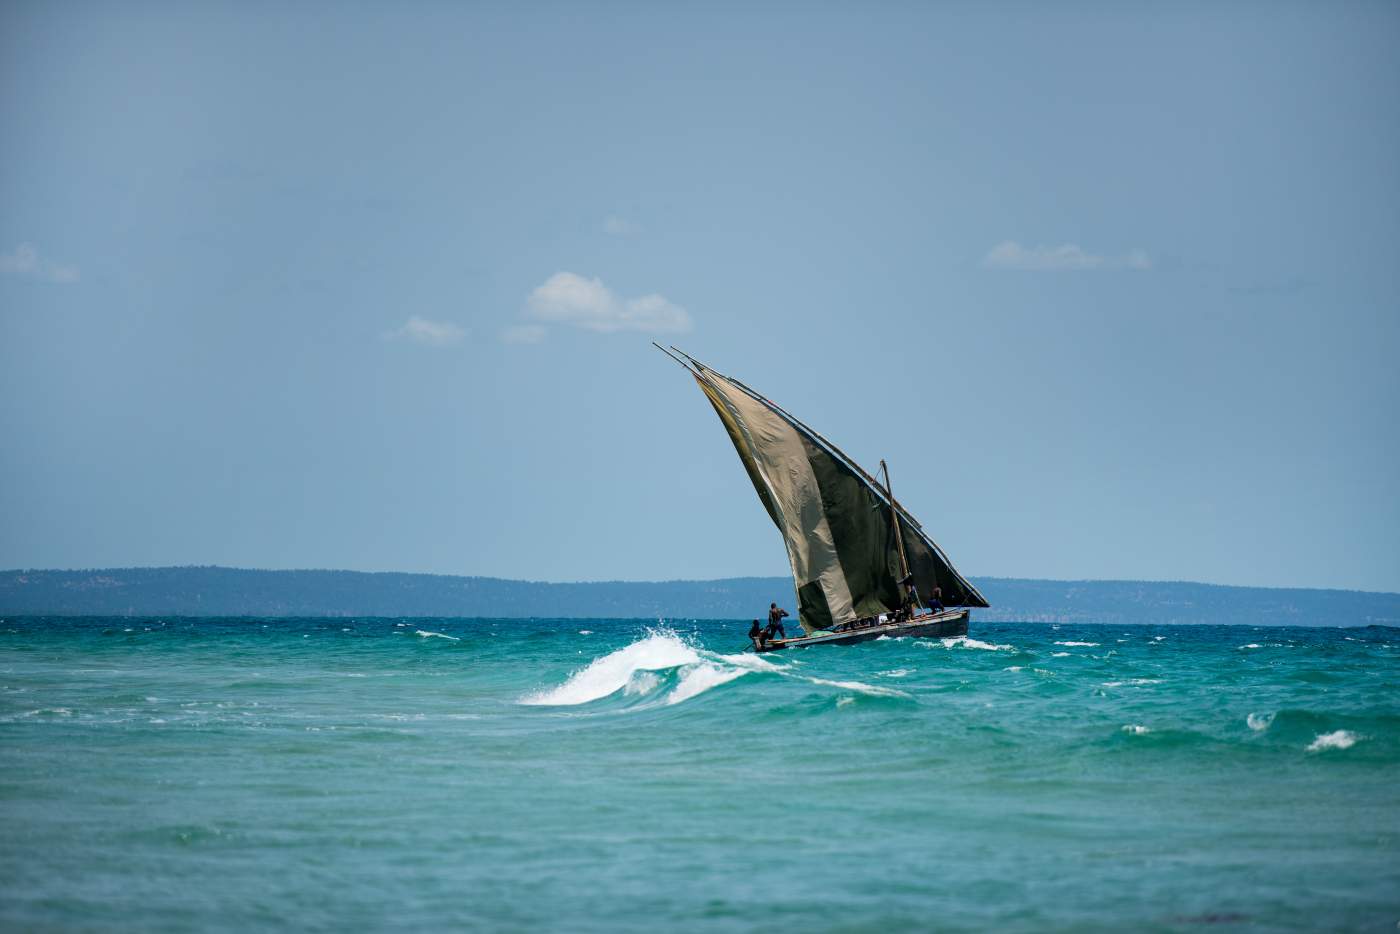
(1113, 287)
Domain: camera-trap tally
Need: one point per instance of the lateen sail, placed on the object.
(836, 521)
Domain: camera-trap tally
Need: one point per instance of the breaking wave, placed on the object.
(428, 634)
(659, 650)
(1339, 739)
(665, 666)
(1259, 722)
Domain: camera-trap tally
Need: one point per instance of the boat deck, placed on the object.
(941, 625)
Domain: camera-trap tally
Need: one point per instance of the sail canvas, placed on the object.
(837, 523)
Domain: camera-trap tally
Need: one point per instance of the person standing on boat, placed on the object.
(911, 602)
(775, 621)
(935, 600)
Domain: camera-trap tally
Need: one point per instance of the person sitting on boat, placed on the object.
(775, 621)
(935, 600)
(756, 634)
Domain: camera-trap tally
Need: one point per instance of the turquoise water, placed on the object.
(602, 775)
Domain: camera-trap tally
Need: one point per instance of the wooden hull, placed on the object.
(943, 625)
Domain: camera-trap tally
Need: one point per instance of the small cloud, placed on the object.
(568, 298)
(25, 261)
(1011, 255)
(424, 331)
(620, 226)
(524, 334)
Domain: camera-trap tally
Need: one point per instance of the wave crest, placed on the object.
(1338, 739)
(662, 664)
(659, 650)
(963, 642)
(1259, 722)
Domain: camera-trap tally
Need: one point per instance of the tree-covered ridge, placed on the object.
(217, 591)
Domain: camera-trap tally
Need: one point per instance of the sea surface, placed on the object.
(623, 775)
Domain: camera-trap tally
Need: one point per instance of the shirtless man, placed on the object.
(775, 621)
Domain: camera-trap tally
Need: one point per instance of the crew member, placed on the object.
(756, 634)
(775, 621)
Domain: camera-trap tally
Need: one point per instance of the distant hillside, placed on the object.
(215, 591)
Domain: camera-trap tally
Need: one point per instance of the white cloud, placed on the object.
(620, 226)
(424, 331)
(568, 298)
(26, 261)
(524, 334)
(1011, 255)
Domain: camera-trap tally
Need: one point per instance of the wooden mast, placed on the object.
(898, 536)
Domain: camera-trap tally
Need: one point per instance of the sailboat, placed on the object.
(861, 564)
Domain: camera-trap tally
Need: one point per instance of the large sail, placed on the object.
(838, 523)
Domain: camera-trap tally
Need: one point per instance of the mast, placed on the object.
(898, 532)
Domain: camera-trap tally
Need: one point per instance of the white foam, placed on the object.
(641, 682)
(697, 679)
(585, 632)
(845, 699)
(1087, 645)
(751, 662)
(966, 643)
(56, 711)
(1136, 729)
(859, 686)
(1259, 722)
(1132, 682)
(1060, 654)
(1339, 739)
(1158, 638)
(1015, 668)
(609, 673)
(1252, 645)
(427, 634)
(896, 673)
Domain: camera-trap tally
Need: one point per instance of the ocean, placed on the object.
(624, 775)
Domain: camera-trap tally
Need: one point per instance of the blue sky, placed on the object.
(1113, 287)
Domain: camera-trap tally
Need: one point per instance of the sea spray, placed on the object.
(1338, 739)
(660, 649)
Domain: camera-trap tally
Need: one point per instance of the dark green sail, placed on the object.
(837, 522)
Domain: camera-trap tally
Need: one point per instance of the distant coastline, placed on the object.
(219, 591)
